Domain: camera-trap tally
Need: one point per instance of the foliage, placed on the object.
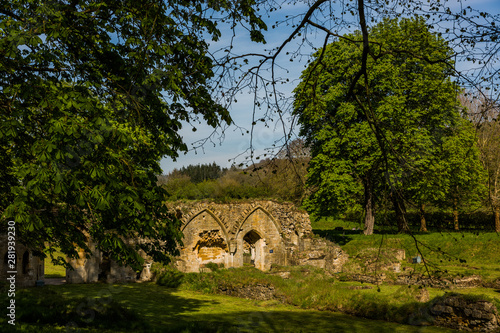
(92, 96)
(485, 115)
(465, 176)
(285, 175)
(438, 220)
(280, 178)
(214, 266)
(373, 136)
(170, 278)
(201, 172)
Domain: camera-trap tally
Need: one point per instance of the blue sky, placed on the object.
(224, 148)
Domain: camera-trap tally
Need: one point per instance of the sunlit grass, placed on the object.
(460, 253)
(171, 310)
(54, 271)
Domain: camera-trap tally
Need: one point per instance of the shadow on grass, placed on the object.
(294, 321)
(155, 304)
(340, 237)
(171, 310)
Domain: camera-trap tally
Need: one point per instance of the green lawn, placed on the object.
(459, 253)
(187, 309)
(171, 310)
(54, 271)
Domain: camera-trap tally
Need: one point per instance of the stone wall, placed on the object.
(258, 233)
(99, 267)
(320, 253)
(465, 313)
(29, 267)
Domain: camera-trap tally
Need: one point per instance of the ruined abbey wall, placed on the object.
(29, 268)
(260, 233)
(257, 233)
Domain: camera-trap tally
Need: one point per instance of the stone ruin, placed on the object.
(99, 267)
(29, 268)
(459, 312)
(259, 233)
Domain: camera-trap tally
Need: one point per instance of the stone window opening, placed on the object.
(5, 263)
(26, 262)
(211, 247)
(295, 238)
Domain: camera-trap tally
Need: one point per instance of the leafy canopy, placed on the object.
(368, 134)
(92, 95)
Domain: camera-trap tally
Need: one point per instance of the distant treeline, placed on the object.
(271, 179)
(201, 172)
(279, 178)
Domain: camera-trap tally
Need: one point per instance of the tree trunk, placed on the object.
(423, 224)
(455, 214)
(497, 219)
(369, 211)
(400, 210)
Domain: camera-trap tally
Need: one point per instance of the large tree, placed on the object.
(471, 30)
(375, 131)
(92, 95)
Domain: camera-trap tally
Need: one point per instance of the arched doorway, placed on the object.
(253, 250)
(205, 241)
(26, 262)
(104, 267)
(5, 265)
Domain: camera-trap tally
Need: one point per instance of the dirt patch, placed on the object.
(261, 292)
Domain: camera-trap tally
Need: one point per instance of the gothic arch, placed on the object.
(216, 219)
(276, 224)
(6, 258)
(26, 262)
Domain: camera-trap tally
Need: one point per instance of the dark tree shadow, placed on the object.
(340, 237)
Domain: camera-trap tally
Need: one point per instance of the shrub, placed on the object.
(170, 278)
(206, 283)
(212, 266)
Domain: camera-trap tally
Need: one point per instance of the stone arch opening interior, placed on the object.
(26, 262)
(104, 267)
(211, 247)
(251, 247)
(5, 261)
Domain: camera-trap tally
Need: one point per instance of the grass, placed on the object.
(456, 253)
(311, 288)
(306, 302)
(330, 223)
(153, 308)
(54, 271)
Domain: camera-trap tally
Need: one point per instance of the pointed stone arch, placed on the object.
(253, 210)
(212, 214)
(205, 240)
(267, 245)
